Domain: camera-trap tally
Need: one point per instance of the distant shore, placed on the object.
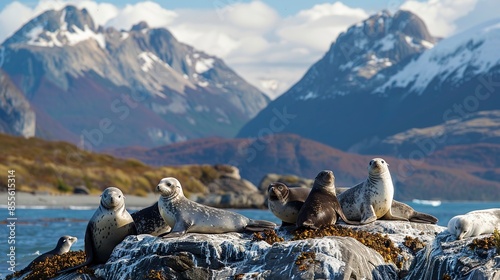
(73, 201)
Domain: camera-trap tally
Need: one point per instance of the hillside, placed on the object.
(58, 167)
(440, 175)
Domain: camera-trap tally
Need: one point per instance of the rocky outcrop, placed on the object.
(447, 258)
(229, 190)
(243, 256)
(424, 252)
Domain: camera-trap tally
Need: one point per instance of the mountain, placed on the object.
(292, 154)
(112, 88)
(473, 128)
(16, 115)
(383, 77)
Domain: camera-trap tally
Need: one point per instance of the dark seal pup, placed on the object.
(321, 206)
(184, 215)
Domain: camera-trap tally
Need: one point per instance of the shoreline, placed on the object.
(26, 200)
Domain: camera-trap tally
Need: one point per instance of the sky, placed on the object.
(269, 43)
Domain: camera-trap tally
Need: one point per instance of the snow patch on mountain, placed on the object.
(203, 65)
(474, 51)
(37, 36)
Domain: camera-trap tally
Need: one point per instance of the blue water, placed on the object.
(37, 230)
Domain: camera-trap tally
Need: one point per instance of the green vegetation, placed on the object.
(58, 167)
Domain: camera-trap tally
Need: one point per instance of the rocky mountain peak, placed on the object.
(140, 26)
(364, 55)
(52, 28)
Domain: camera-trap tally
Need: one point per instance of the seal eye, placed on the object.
(371, 162)
(280, 188)
(382, 161)
(169, 184)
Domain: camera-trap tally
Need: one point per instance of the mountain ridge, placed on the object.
(181, 93)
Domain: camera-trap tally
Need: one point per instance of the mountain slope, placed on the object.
(291, 154)
(16, 114)
(352, 111)
(109, 86)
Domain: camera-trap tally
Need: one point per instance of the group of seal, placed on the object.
(361, 204)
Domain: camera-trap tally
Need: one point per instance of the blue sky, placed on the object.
(269, 43)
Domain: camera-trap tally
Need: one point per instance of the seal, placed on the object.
(63, 245)
(371, 199)
(404, 210)
(475, 223)
(150, 221)
(321, 206)
(109, 225)
(185, 215)
(285, 203)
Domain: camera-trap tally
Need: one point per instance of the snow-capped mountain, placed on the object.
(365, 56)
(383, 77)
(143, 83)
(452, 61)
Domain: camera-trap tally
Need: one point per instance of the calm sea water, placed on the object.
(37, 230)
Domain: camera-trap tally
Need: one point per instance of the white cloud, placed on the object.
(148, 11)
(12, 17)
(440, 15)
(252, 16)
(319, 26)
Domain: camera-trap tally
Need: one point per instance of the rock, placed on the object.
(230, 185)
(228, 171)
(447, 257)
(81, 190)
(234, 200)
(239, 256)
(225, 256)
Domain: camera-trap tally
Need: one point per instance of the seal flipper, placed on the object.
(390, 216)
(259, 225)
(423, 218)
(368, 214)
(89, 251)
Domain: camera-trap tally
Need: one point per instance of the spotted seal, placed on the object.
(321, 206)
(185, 215)
(371, 199)
(109, 225)
(150, 221)
(475, 223)
(285, 202)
